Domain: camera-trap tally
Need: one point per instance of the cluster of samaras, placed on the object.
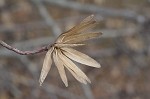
(62, 52)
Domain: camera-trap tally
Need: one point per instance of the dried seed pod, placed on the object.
(63, 53)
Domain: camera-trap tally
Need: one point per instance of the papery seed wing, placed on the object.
(80, 57)
(60, 38)
(87, 19)
(84, 25)
(68, 45)
(46, 66)
(68, 63)
(76, 76)
(82, 37)
(59, 64)
(73, 73)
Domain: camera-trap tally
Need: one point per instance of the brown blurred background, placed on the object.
(123, 50)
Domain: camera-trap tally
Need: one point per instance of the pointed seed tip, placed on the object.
(40, 84)
(90, 82)
(99, 66)
(66, 85)
(92, 15)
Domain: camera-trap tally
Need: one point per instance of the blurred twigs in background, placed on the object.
(47, 17)
(127, 14)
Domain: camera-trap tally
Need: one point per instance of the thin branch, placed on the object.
(39, 50)
(28, 44)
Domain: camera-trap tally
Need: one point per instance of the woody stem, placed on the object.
(39, 50)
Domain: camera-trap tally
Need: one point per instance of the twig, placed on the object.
(42, 49)
(28, 44)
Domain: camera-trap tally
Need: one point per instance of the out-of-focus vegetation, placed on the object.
(123, 50)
